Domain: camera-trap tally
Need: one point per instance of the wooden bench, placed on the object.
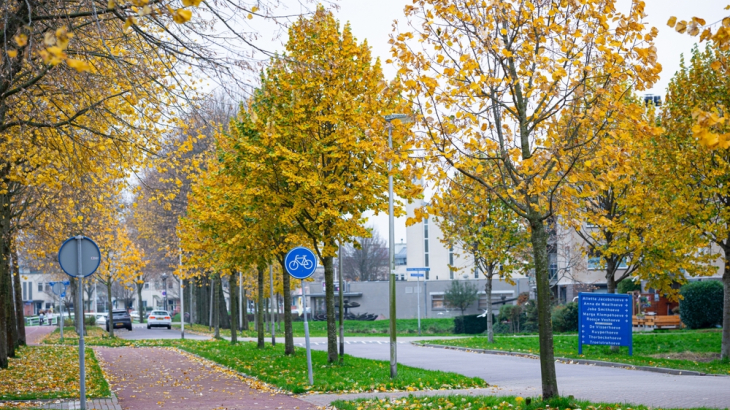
(673, 321)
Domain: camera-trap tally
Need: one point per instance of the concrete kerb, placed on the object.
(325, 399)
(566, 360)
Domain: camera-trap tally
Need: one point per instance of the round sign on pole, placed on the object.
(300, 262)
(58, 288)
(68, 256)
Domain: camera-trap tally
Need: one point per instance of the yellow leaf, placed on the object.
(254, 9)
(79, 65)
(672, 21)
(128, 22)
(726, 22)
(250, 16)
(681, 27)
(181, 16)
(13, 53)
(188, 3)
(716, 65)
(21, 40)
(111, 4)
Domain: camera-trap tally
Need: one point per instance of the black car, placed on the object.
(121, 319)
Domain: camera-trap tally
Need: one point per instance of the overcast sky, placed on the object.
(373, 20)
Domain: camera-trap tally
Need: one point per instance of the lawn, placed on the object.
(355, 375)
(406, 327)
(482, 403)
(51, 372)
(685, 350)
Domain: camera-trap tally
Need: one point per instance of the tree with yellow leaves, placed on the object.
(622, 218)
(696, 174)
(514, 94)
(320, 113)
(478, 224)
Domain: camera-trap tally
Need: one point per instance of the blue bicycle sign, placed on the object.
(300, 262)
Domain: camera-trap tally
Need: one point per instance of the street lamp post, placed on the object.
(164, 284)
(391, 248)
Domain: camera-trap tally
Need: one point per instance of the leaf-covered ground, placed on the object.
(49, 372)
(483, 403)
(665, 349)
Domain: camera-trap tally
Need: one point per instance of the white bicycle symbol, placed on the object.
(300, 260)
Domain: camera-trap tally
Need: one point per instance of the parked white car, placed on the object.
(159, 318)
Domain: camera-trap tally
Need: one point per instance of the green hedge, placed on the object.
(565, 317)
(701, 306)
(470, 324)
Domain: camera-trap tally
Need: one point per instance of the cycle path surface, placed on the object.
(519, 376)
(161, 378)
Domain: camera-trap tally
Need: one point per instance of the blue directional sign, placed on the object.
(300, 262)
(417, 275)
(418, 269)
(604, 319)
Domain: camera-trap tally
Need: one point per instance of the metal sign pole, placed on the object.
(79, 309)
(182, 302)
(61, 306)
(306, 335)
(418, 303)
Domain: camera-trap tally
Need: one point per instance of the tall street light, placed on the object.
(391, 246)
(164, 284)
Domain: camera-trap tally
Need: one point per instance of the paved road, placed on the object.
(521, 376)
(140, 331)
(158, 378)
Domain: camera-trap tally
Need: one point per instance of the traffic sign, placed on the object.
(69, 256)
(417, 269)
(417, 275)
(300, 262)
(58, 287)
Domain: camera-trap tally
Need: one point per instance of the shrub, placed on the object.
(565, 317)
(628, 285)
(90, 321)
(702, 304)
(470, 324)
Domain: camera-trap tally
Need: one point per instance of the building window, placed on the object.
(476, 271)
(437, 302)
(624, 264)
(594, 262)
(40, 286)
(25, 286)
(146, 285)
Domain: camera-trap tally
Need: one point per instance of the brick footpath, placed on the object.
(160, 378)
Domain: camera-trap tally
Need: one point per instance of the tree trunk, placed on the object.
(140, 306)
(5, 216)
(4, 292)
(233, 289)
(245, 310)
(725, 347)
(611, 284)
(10, 315)
(211, 294)
(110, 310)
(260, 307)
(216, 311)
(488, 291)
(288, 333)
(224, 321)
(539, 237)
(20, 317)
(329, 280)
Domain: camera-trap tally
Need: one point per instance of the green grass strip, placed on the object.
(484, 403)
(697, 350)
